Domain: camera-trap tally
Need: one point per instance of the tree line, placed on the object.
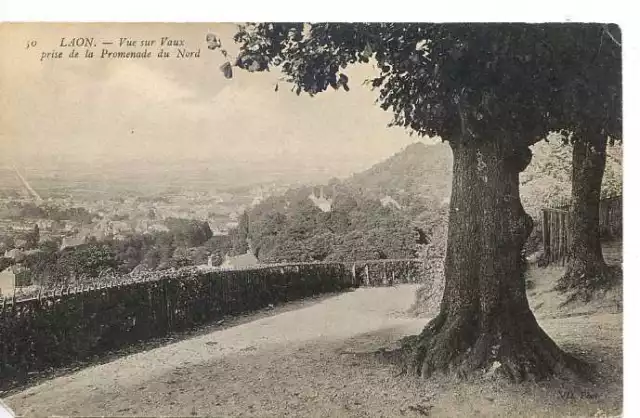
(291, 228)
(28, 210)
(188, 242)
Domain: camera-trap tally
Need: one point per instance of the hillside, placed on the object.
(383, 212)
(425, 170)
(348, 226)
(419, 169)
(407, 192)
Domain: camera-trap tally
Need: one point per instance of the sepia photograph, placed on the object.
(291, 219)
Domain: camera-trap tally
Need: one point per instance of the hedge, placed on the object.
(55, 330)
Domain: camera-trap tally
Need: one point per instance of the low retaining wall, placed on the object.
(54, 330)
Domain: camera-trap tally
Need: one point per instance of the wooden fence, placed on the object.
(556, 239)
(54, 330)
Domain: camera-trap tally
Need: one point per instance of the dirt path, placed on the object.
(298, 363)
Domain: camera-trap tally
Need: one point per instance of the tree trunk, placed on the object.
(586, 269)
(485, 323)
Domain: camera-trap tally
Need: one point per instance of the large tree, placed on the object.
(593, 113)
(490, 91)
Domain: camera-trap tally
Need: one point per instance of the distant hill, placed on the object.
(420, 170)
(425, 171)
(383, 212)
(407, 192)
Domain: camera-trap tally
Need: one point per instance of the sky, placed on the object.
(166, 112)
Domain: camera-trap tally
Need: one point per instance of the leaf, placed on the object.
(368, 51)
(213, 42)
(226, 70)
(276, 88)
(254, 66)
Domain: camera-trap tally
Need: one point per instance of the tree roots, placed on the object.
(583, 283)
(515, 350)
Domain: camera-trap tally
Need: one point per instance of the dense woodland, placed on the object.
(358, 227)
(188, 242)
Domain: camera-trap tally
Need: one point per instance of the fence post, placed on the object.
(568, 237)
(353, 274)
(385, 280)
(561, 238)
(545, 234)
(556, 235)
(366, 274)
(558, 242)
(551, 246)
(560, 232)
(602, 217)
(552, 235)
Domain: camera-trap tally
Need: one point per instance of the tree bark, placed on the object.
(586, 270)
(485, 323)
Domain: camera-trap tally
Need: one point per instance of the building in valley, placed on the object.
(321, 202)
(240, 261)
(7, 282)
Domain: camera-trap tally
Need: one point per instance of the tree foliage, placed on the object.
(547, 180)
(455, 80)
(49, 266)
(291, 228)
(188, 232)
(186, 243)
(592, 99)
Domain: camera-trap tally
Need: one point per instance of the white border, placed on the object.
(5, 411)
(327, 10)
(435, 11)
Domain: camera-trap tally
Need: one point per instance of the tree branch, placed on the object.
(606, 30)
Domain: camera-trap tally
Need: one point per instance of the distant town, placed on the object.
(31, 221)
(117, 218)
